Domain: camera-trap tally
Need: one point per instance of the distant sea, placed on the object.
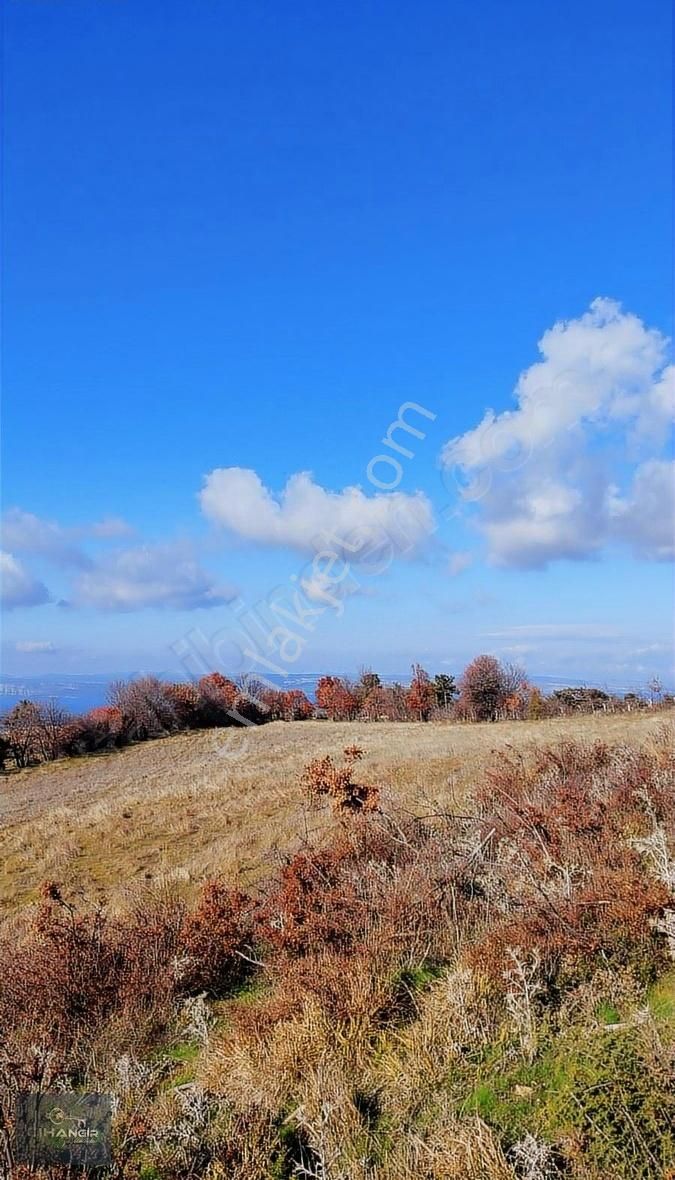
(79, 693)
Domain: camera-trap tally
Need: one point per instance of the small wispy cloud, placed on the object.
(458, 562)
(35, 646)
(556, 631)
(111, 527)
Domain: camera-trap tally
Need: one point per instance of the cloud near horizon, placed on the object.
(18, 586)
(308, 518)
(35, 647)
(166, 576)
(579, 464)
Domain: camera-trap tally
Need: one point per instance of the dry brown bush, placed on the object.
(391, 958)
(323, 777)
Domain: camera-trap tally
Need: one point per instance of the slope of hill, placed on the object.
(221, 801)
(472, 981)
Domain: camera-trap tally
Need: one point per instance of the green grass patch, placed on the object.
(602, 1089)
(606, 1013)
(661, 999)
(183, 1051)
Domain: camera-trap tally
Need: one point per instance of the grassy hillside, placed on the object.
(473, 982)
(222, 801)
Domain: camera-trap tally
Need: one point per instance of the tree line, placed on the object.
(145, 708)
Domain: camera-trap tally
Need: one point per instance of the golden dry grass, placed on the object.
(199, 804)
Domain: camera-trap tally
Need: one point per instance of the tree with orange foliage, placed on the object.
(377, 704)
(421, 696)
(218, 687)
(335, 696)
(295, 706)
(483, 689)
(218, 695)
(186, 701)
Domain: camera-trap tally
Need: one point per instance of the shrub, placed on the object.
(21, 728)
(145, 709)
(68, 972)
(367, 683)
(536, 705)
(99, 729)
(187, 704)
(216, 940)
(323, 777)
(296, 706)
(217, 697)
(562, 830)
(315, 905)
(482, 689)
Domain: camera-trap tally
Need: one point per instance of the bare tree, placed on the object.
(147, 711)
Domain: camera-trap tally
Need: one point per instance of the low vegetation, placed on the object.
(146, 708)
(483, 990)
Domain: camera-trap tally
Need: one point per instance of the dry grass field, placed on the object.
(473, 981)
(224, 801)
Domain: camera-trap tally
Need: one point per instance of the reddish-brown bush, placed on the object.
(482, 689)
(217, 939)
(187, 704)
(99, 729)
(561, 829)
(218, 695)
(67, 973)
(315, 904)
(323, 777)
(296, 706)
(145, 708)
(35, 732)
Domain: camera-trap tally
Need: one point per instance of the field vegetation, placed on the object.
(363, 952)
(147, 708)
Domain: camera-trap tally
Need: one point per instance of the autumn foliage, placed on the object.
(399, 961)
(336, 698)
(323, 777)
(147, 707)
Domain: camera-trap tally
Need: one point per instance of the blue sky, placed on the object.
(238, 238)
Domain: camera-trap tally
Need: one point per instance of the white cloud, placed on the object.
(546, 477)
(321, 588)
(458, 562)
(644, 518)
(308, 518)
(164, 576)
(111, 526)
(556, 631)
(24, 532)
(35, 646)
(19, 587)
